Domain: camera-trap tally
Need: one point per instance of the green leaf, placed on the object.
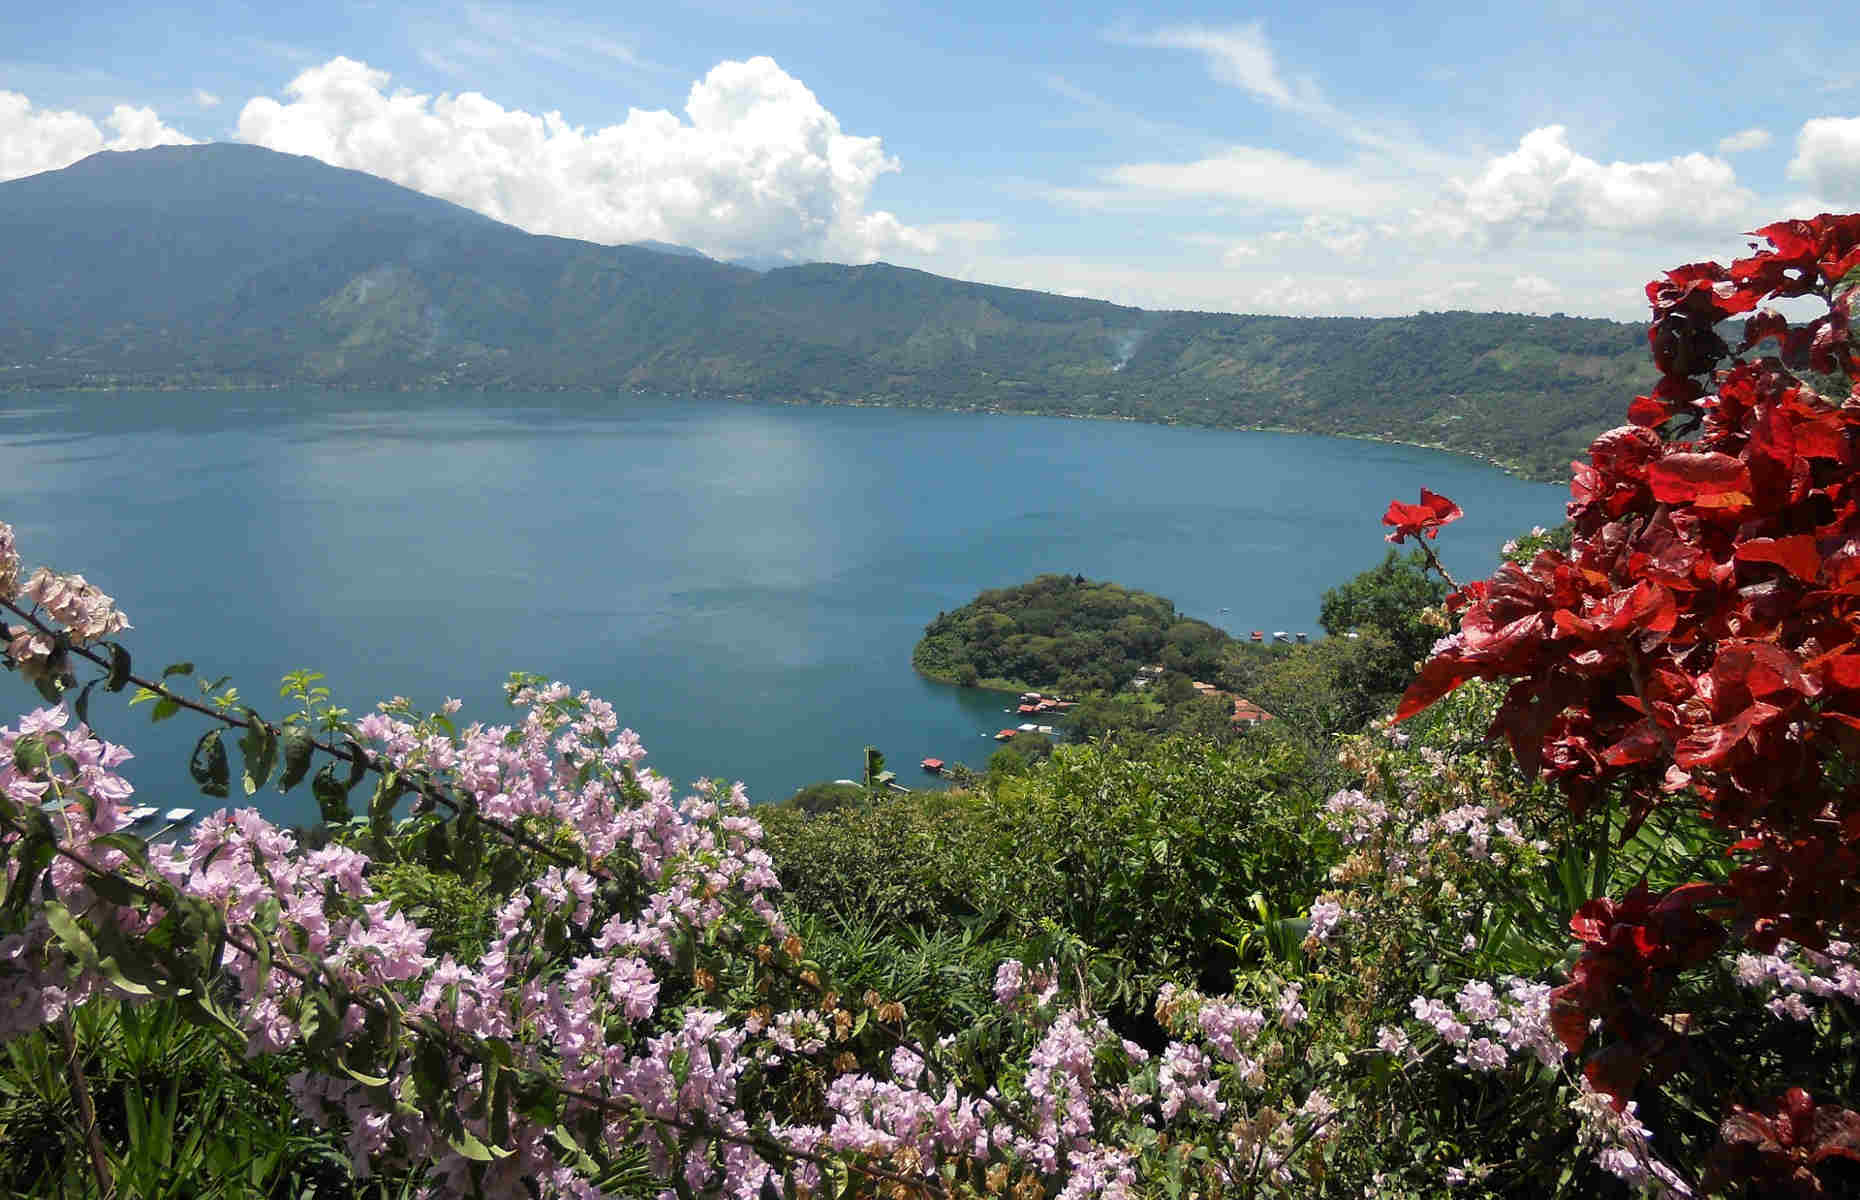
(180, 668)
(500, 1109)
(82, 705)
(362, 1078)
(468, 1145)
(165, 707)
(128, 843)
(438, 848)
(113, 888)
(309, 1021)
(259, 747)
(381, 804)
(332, 798)
(69, 932)
(577, 1157)
(119, 669)
(29, 754)
(209, 765)
(358, 761)
(114, 973)
(261, 944)
(299, 745)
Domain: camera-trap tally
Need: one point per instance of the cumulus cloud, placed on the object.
(1302, 295)
(1827, 158)
(756, 166)
(1265, 178)
(1744, 139)
(205, 99)
(1545, 185)
(41, 139)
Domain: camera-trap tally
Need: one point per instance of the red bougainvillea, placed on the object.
(1699, 645)
(1412, 520)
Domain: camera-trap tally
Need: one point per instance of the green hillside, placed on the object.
(230, 265)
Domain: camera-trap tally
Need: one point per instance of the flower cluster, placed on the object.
(9, 563)
(1791, 973)
(82, 614)
(1487, 1029)
(1622, 1145)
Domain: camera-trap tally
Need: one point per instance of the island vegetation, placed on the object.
(1066, 633)
(1134, 667)
(1609, 951)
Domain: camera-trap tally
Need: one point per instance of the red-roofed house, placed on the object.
(1248, 713)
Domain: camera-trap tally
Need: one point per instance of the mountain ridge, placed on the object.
(230, 265)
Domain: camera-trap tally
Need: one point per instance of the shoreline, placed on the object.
(1509, 467)
(1006, 687)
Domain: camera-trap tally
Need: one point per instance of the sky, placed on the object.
(1312, 159)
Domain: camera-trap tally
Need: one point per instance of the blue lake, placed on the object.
(743, 582)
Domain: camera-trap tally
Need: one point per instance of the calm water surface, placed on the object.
(744, 583)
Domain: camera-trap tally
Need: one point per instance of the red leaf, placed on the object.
(1439, 675)
(1705, 479)
(1796, 554)
(1569, 1017)
(1763, 670)
(1642, 744)
(1712, 744)
(1648, 412)
(1833, 1132)
(1838, 670)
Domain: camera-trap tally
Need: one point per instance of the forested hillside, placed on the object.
(230, 265)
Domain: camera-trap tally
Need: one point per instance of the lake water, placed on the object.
(743, 582)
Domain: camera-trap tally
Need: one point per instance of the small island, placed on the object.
(1069, 634)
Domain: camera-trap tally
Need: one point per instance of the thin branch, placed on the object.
(87, 1112)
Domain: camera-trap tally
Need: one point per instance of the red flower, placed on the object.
(1412, 520)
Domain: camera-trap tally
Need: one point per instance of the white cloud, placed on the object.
(1300, 295)
(1744, 139)
(1544, 185)
(1268, 179)
(1238, 56)
(205, 99)
(1827, 158)
(758, 168)
(966, 232)
(1534, 287)
(34, 140)
(479, 35)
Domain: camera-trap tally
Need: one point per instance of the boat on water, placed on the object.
(176, 815)
(139, 814)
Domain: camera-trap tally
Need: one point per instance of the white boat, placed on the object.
(174, 815)
(139, 814)
(1279, 635)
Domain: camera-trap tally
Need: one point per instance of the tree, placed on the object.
(1390, 597)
